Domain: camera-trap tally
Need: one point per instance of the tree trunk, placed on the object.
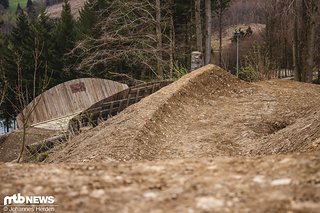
(220, 36)
(159, 40)
(308, 39)
(208, 31)
(311, 37)
(172, 43)
(303, 42)
(24, 134)
(198, 25)
(296, 51)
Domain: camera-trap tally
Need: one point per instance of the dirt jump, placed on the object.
(206, 143)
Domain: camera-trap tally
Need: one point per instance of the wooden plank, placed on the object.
(71, 97)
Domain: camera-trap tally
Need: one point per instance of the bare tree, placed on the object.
(296, 43)
(25, 92)
(3, 86)
(198, 24)
(172, 42)
(305, 13)
(159, 39)
(220, 7)
(3, 82)
(208, 31)
(310, 9)
(131, 31)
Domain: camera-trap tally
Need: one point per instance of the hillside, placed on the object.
(206, 143)
(14, 3)
(54, 11)
(228, 32)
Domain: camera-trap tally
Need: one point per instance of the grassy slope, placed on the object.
(14, 3)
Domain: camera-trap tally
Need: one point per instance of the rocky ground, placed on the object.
(206, 143)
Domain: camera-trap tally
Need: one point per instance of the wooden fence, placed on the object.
(69, 98)
(114, 104)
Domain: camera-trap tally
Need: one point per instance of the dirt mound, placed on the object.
(133, 133)
(11, 144)
(216, 144)
(207, 113)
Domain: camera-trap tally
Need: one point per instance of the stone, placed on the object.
(97, 193)
(281, 182)
(209, 203)
(259, 179)
(150, 195)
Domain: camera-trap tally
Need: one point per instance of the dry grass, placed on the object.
(54, 11)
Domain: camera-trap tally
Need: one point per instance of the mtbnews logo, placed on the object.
(20, 203)
(19, 199)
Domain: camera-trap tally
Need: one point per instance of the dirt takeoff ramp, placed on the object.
(206, 113)
(139, 132)
(206, 143)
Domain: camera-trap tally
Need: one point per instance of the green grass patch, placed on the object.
(14, 3)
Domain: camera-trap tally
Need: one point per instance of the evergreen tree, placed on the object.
(19, 58)
(29, 4)
(5, 3)
(19, 10)
(65, 38)
(65, 29)
(43, 32)
(89, 17)
(30, 8)
(20, 37)
(28, 52)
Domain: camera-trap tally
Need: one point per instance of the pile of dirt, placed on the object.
(11, 144)
(133, 134)
(207, 113)
(206, 143)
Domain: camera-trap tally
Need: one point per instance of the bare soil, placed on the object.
(206, 143)
(11, 144)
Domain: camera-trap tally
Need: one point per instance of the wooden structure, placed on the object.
(68, 99)
(114, 104)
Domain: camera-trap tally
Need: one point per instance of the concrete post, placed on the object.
(196, 60)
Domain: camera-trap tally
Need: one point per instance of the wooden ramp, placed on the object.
(56, 106)
(114, 104)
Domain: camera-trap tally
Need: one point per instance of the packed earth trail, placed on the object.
(206, 143)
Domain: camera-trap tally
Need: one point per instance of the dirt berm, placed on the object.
(206, 114)
(206, 143)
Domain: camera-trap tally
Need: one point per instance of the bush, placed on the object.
(256, 65)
